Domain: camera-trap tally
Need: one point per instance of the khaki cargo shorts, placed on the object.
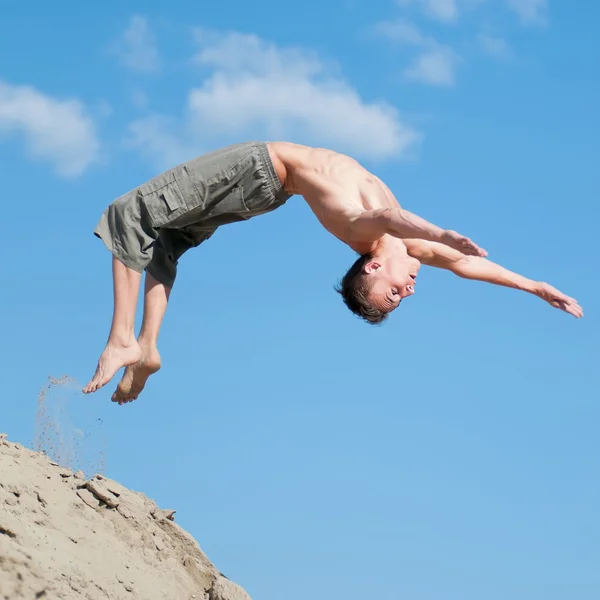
(153, 225)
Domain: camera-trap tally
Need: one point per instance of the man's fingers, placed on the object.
(560, 296)
(571, 308)
(473, 249)
(479, 251)
(467, 246)
(567, 300)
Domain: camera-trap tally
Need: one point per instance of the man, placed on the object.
(151, 227)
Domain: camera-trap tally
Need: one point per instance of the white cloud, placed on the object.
(529, 11)
(55, 131)
(162, 140)
(434, 67)
(448, 11)
(136, 47)
(402, 32)
(441, 10)
(254, 89)
(494, 46)
(437, 63)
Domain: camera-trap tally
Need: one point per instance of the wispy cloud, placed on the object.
(530, 11)
(441, 10)
(165, 141)
(494, 46)
(59, 132)
(136, 47)
(434, 67)
(402, 32)
(255, 89)
(436, 64)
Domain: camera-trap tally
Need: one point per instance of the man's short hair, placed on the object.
(354, 289)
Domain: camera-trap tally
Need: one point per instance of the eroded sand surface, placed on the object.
(64, 537)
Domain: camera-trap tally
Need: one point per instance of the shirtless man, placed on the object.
(151, 227)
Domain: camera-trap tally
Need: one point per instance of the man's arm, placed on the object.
(481, 269)
(399, 221)
(402, 224)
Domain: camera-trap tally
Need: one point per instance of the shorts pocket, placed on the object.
(163, 198)
(226, 204)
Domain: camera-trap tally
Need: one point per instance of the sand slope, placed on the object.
(65, 537)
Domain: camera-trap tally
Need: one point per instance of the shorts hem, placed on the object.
(168, 282)
(118, 254)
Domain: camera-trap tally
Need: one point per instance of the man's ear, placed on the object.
(372, 266)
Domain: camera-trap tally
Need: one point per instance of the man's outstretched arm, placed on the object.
(481, 269)
(400, 222)
(403, 224)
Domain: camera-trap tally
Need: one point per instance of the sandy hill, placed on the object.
(64, 537)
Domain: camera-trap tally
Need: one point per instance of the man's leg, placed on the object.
(122, 349)
(156, 297)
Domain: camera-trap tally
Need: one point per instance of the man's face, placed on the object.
(394, 280)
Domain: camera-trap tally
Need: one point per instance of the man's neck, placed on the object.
(388, 246)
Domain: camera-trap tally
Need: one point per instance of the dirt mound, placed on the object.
(65, 537)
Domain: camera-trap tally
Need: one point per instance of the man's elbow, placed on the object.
(383, 219)
(466, 267)
(395, 221)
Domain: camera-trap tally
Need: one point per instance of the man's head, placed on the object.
(374, 285)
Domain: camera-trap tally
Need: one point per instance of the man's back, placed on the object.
(336, 187)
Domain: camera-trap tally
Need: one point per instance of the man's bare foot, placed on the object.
(112, 359)
(135, 376)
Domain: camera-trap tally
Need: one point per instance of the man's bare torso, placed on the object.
(336, 187)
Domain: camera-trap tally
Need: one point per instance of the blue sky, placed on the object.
(452, 453)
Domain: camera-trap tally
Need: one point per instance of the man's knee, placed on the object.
(125, 231)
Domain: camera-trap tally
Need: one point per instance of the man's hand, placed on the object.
(462, 244)
(558, 300)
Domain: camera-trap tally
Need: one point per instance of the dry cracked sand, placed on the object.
(64, 537)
